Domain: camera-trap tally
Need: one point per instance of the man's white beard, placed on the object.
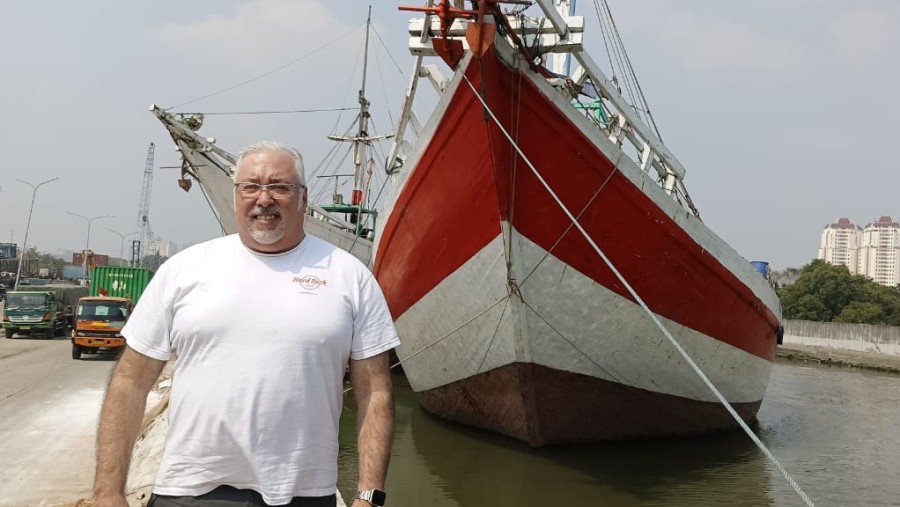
(267, 236)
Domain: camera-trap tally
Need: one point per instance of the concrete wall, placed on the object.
(861, 337)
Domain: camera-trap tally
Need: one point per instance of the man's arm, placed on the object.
(120, 421)
(371, 380)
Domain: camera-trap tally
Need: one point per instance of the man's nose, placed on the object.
(264, 198)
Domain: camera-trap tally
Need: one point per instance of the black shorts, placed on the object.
(227, 496)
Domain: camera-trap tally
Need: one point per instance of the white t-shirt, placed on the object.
(261, 343)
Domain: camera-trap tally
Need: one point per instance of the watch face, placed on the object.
(378, 497)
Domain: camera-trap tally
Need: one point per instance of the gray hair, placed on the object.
(268, 146)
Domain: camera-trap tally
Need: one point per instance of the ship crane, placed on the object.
(142, 229)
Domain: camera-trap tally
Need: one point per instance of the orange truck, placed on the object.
(100, 317)
(98, 325)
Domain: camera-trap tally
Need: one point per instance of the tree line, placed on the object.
(829, 293)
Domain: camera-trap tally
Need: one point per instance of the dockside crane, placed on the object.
(142, 229)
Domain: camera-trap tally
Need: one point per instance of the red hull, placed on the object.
(469, 180)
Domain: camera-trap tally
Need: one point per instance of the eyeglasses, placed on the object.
(249, 189)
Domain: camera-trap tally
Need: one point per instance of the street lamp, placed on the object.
(122, 247)
(34, 189)
(87, 244)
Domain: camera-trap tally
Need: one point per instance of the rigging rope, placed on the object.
(641, 302)
(487, 349)
(267, 73)
(516, 115)
(569, 228)
(454, 330)
(387, 106)
(606, 43)
(388, 51)
(613, 50)
(643, 100)
(290, 111)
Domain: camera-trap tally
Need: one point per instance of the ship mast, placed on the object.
(362, 136)
(361, 142)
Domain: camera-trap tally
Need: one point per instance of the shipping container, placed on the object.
(68, 294)
(73, 272)
(119, 282)
(98, 259)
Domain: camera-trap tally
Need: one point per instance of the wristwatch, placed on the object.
(373, 496)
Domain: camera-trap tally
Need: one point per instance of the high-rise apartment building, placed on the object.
(840, 244)
(879, 252)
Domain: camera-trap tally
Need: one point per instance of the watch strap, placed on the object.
(373, 496)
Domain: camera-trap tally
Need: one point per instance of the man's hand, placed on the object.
(371, 379)
(120, 423)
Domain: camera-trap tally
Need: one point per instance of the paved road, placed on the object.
(48, 417)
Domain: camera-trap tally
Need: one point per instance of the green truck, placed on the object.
(101, 315)
(44, 310)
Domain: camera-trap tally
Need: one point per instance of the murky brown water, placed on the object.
(836, 431)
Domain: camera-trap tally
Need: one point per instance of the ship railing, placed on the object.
(557, 33)
(320, 212)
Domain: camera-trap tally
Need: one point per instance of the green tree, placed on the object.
(887, 299)
(808, 307)
(832, 286)
(859, 312)
(826, 292)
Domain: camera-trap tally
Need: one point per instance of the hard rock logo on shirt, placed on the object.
(310, 282)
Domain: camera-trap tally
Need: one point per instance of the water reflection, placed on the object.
(834, 430)
(478, 469)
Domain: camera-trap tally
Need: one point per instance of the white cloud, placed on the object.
(256, 29)
(865, 33)
(714, 43)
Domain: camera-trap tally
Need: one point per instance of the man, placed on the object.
(263, 324)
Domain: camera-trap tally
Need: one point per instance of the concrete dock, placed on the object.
(851, 345)
(839, 357)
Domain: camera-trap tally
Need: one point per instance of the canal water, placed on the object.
(836, 430)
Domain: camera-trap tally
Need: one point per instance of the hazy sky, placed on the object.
(783, 111)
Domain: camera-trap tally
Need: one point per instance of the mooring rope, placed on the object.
(442, 338)
(643, 305)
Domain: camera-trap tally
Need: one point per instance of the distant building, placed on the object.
(840, 244)
(161, 248)
(879, 252)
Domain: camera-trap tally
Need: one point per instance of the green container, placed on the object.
(119, 282)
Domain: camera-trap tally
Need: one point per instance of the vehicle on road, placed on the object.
(100, 316)
(98, 325)
(44, 310)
